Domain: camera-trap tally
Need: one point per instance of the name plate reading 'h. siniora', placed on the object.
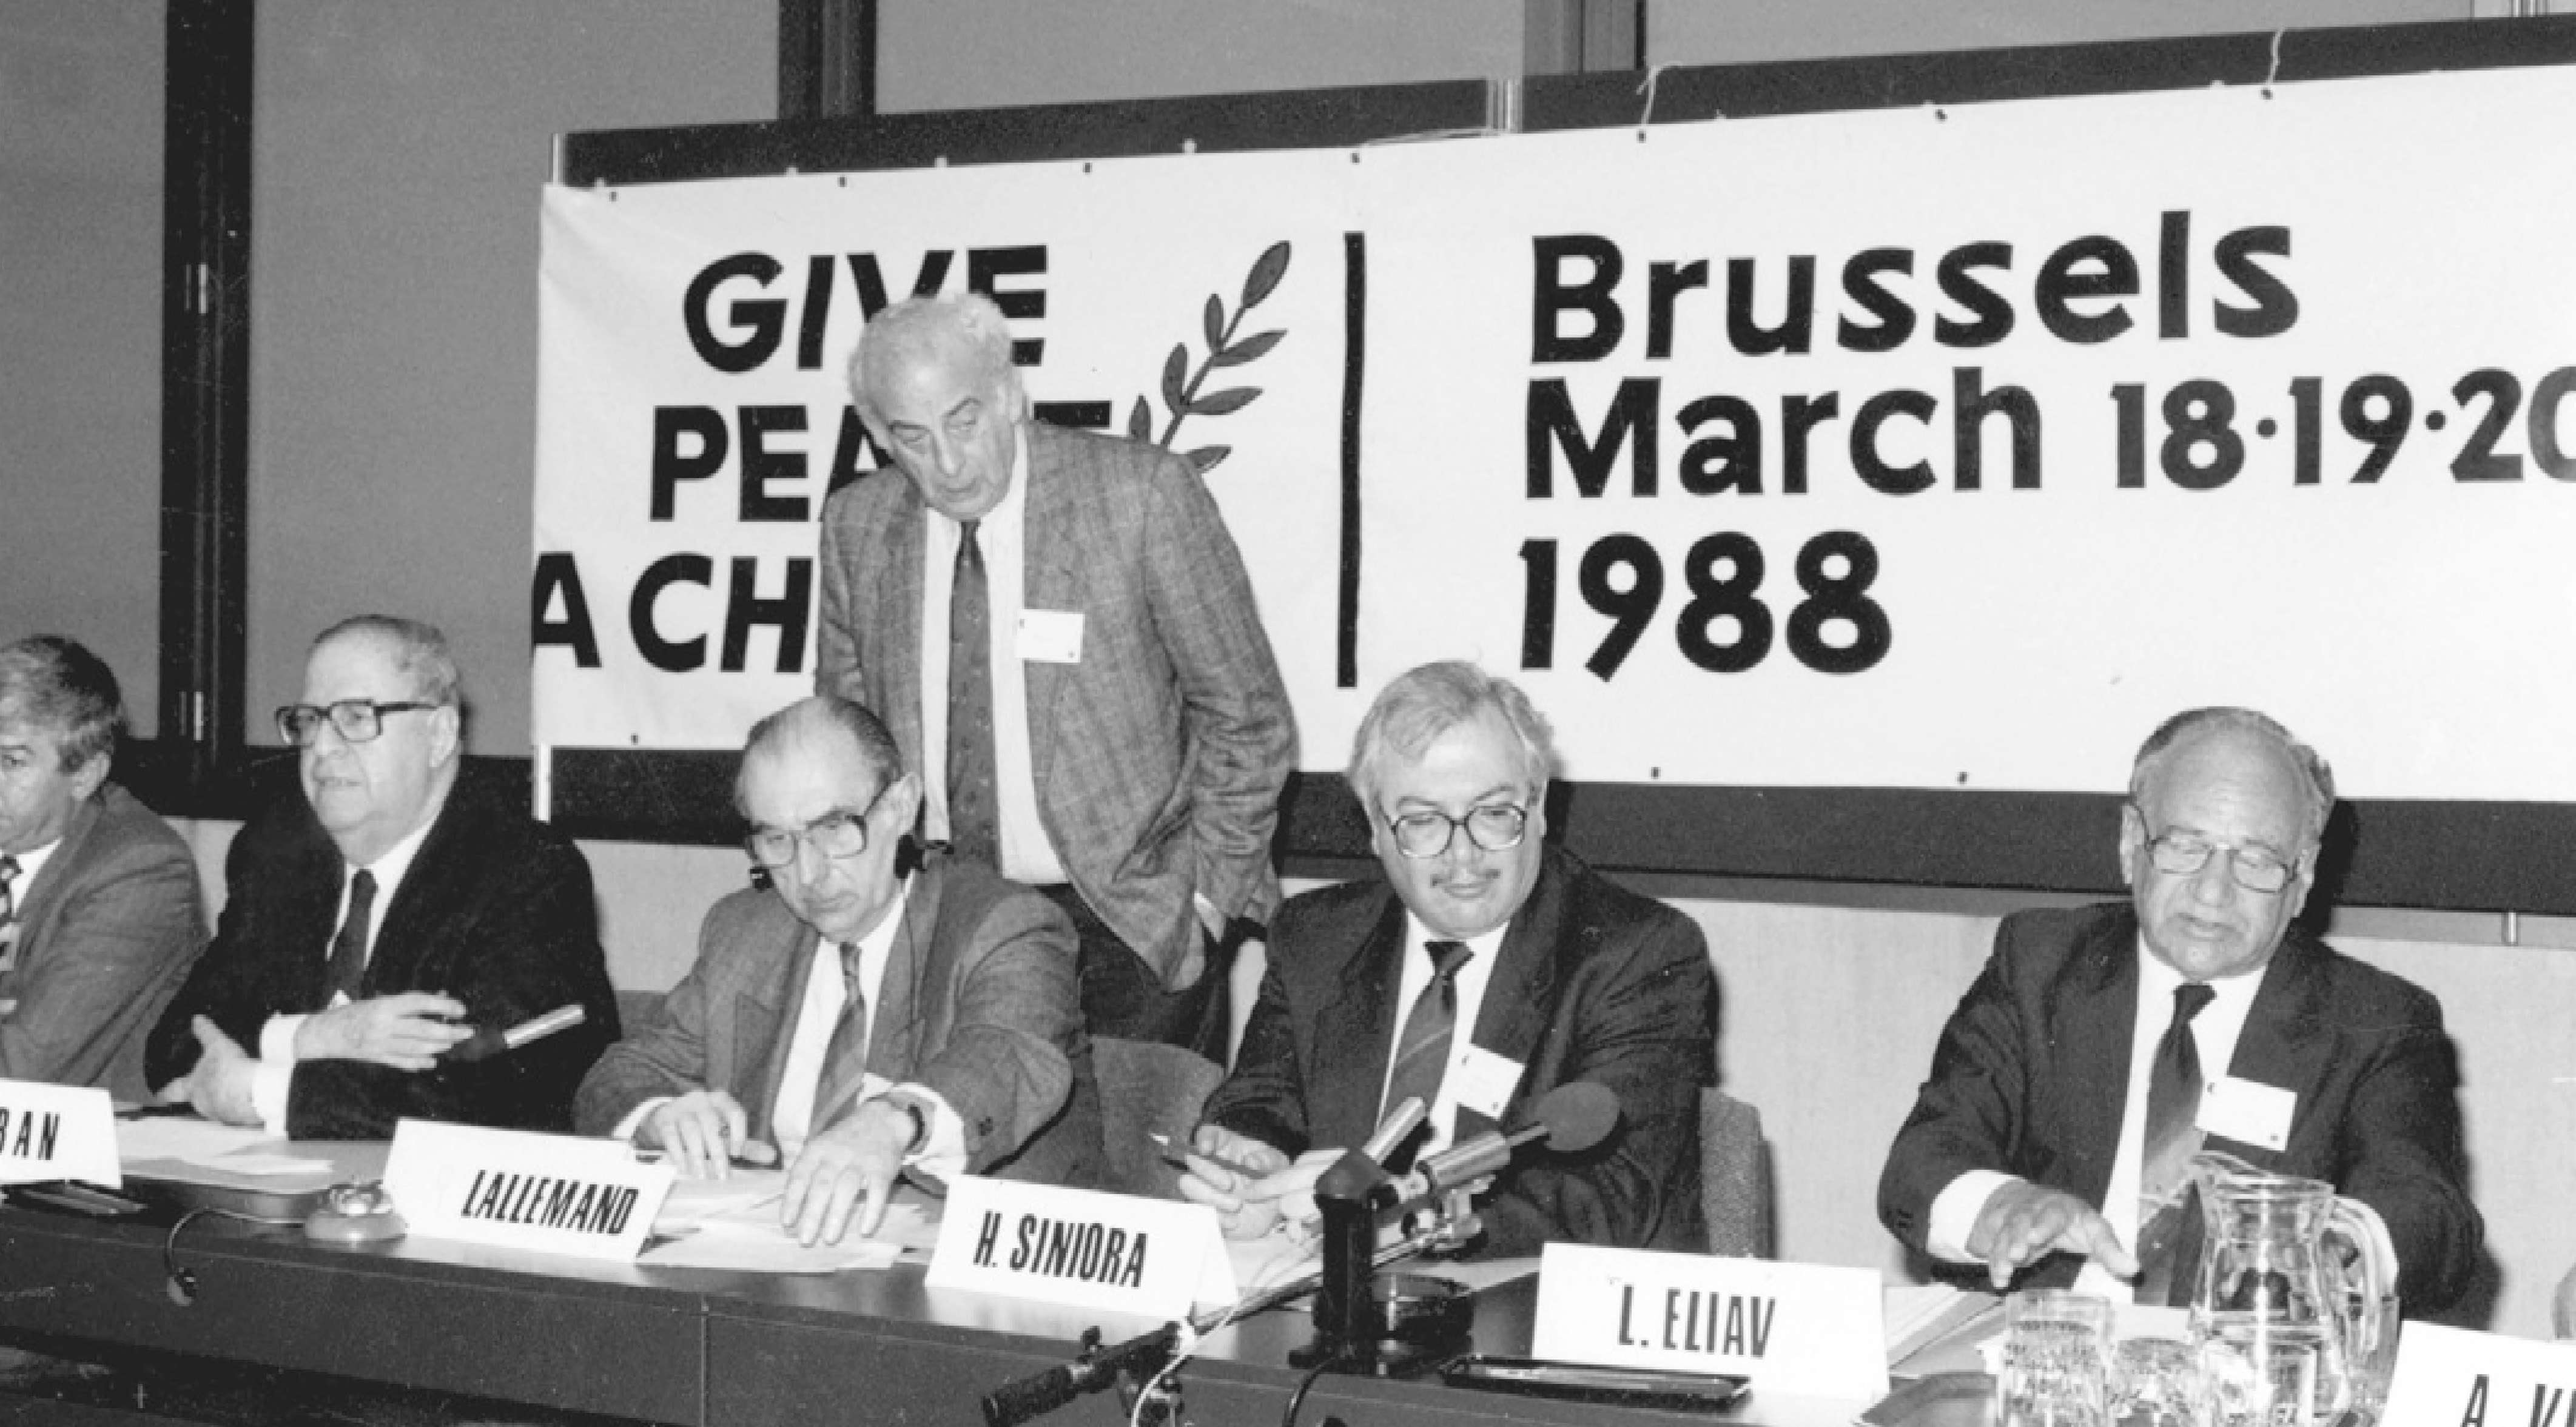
(2447, 1375)
(57, 1132)
(1112, 1253)
(1799, 1329)
(555, 1194)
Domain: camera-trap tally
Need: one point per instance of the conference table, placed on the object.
(423, 1330)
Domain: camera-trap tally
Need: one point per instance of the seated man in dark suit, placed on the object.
(373, 922)
(2067, 1092)
(866, 1011)
(99, 915)
(1482, 971)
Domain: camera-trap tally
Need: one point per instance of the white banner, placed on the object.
(1926, 448)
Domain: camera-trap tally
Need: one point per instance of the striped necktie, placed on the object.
(8, 912)
(1422, 1051)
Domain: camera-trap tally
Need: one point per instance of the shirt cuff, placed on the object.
(1955, 1211)
(277, 1039)
(634, 1120)
(271, 1081)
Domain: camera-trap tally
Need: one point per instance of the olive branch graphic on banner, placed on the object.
(1181, 386)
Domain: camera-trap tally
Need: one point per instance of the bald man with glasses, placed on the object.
(1482, 970)
(2104, 1046)
(867, 1012)
(374, 923)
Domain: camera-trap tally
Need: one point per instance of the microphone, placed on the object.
(1572, 1118)
(492, 1040)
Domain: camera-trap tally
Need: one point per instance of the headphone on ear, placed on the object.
(908, 855)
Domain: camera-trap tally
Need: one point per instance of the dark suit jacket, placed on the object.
(496, 911)
(1160, 756)
(1593, 983)
(2032, 1072)
(105, 932)
(978, 1003)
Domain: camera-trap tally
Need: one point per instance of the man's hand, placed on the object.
(1224, 1174)
(219, 1088)
(851, 1165)
(702, 1133)
(2022, 1222)
(403, 1030)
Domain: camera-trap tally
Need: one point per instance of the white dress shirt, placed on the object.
(1027, 856)
(273, 1079)
(1470, 983)
(2214, 1033)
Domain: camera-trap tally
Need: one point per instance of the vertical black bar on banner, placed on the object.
(205, 384)
(1346, 660)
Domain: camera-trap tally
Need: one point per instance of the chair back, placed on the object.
(1147, 1087)
(1734, 1176)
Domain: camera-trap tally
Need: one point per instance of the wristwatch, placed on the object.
(920, 1124)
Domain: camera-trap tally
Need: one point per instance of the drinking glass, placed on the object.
(2056, 1360)
(2155, 1382)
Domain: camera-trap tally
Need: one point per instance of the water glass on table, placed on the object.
(2056, 1360)
(2155, 1382)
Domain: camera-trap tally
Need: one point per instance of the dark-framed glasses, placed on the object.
(357, 720)
(2256, 869)
(1493, 827)
(836, 834)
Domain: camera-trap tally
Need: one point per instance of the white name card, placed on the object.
(554, 1194)
(2451, 1375)
(1113, 1253)
(57, 1132)
(1797, 1329)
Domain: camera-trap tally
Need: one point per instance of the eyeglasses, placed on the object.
(358, 720)
(1494, 828)
(836, 835)
(2183, 853)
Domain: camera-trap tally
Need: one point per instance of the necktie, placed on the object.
(2168, 1213)
(349, 948)
(845, 1057)
(1422, 1050)
(8, 911)
(974, 829)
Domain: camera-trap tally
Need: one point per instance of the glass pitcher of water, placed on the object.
(2288, 1304)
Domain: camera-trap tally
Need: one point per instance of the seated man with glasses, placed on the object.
(2104, 1046)
(376, 921)
(867, 1010)
(1483, 970)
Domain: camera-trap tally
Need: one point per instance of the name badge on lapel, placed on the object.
(1051, 636)
(1486, 1081)
(2247, 1111)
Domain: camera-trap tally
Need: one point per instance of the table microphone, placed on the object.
(493, 1040)
(1573, 1118)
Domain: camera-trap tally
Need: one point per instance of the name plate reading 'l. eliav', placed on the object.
(556, 1194)
(1796, 1329)
(1112, 1253)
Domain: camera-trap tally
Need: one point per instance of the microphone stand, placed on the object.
(1423, 1319)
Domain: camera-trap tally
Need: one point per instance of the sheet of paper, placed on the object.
(187, 1139)
(745, 1253)
(264, 1163)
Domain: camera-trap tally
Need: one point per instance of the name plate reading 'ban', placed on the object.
(1797, 1329)
(57, 1132)
(1112, 1253)
(556, 1194)
(2451, 1375)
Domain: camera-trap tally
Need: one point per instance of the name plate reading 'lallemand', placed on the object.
(1112, 1253)
(2451, 1375)
(1798, 1329)
(556, 1194)
(57, 1132)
